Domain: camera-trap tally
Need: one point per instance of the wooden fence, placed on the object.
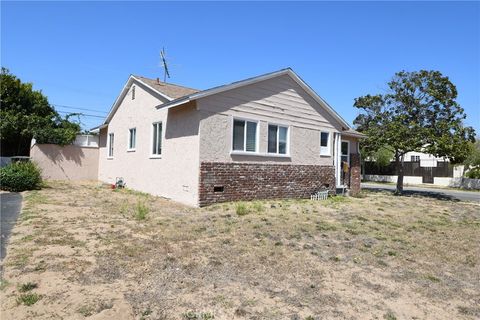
(443, 169)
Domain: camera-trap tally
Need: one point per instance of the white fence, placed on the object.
(86, 140)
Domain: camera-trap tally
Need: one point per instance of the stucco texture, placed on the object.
(66, 163)
(278, 101)
(175, 173)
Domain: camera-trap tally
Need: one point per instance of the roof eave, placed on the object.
(355, 134)
(98, 128)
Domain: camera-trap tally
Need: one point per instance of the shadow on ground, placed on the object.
(412, 193)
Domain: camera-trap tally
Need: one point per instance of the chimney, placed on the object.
(158, 80)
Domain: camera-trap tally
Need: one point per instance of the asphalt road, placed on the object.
(11, 203)
(444, 194)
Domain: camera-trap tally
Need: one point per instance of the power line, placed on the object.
(77, 108)
(83, 114)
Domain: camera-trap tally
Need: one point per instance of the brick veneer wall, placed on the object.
(355, 178)
(248, 181)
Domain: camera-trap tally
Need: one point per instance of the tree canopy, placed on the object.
(419, 112)
(25, 114)
(472, 163)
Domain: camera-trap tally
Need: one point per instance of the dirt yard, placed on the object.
(82, 250)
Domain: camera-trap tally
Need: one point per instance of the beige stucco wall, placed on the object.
(173, 175)
(66, 163)
(278, 101)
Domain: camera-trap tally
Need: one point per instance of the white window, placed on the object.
(345, 152)
(244, 136)
(415, 158)
(132, 139)
(277, 139)
(324, 143)
(110, 145)
(133, 92)
(157, 139)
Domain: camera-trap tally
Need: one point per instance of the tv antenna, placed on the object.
(165, 66)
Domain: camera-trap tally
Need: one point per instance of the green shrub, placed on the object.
(20, 176)
(473, 173)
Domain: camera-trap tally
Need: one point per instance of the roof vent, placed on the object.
(158, 80)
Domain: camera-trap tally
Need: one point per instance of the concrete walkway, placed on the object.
(444, 194)
(11, 203)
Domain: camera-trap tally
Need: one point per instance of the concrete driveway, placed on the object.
(444, 194)
(11, 203)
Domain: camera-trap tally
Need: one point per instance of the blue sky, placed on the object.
(81, 54)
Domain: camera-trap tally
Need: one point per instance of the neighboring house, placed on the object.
(269, 136)
(419, 168)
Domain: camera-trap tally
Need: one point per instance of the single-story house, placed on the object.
(419, 168)
(269, 136)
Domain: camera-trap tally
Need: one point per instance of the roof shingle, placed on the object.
(172, 90)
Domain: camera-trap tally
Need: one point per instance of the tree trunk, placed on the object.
(399, 165)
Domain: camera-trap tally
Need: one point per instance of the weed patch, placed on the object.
(28, 299)
(241, 209)
(27, 287)
(141, 211)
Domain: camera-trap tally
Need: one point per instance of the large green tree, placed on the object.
(26, 113)
(418, 112)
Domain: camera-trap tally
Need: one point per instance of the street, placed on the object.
(446, 194)
(11, 203)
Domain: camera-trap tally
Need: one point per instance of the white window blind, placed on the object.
(244, 135)
(132, 138)
(157, 138)
(324, 143)
(110, 144)
(277, 139)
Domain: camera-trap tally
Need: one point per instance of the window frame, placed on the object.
(348, 151)
(110, 149)
(129, 146)
(328, 147)
(156, 155)
(287, 147)
(257, 131)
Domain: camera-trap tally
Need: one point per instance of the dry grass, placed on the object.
(123, 254)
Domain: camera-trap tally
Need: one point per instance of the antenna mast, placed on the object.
(165, 66)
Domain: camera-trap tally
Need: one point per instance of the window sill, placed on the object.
(131, 150)
(258, 154)
(155, 157)
(276, 155)
(109, 158)
(325, 155)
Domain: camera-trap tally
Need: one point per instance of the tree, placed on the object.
(472, 163)
(382, 156)
(418, 112)
(26, 113)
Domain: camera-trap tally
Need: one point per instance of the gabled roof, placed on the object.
(179, 95)
(166, 90)
(233, 85)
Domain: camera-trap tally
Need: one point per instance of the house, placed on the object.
(270, 136)
(419, 168)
